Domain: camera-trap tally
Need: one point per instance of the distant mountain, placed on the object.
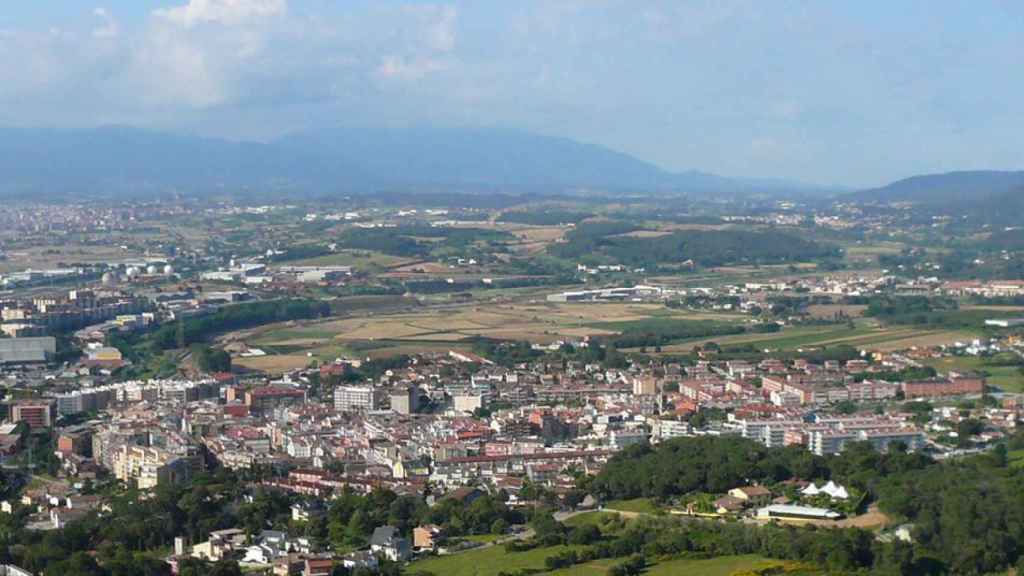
(949, 188)
(119, 161)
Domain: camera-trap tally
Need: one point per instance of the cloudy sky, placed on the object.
(853, 93)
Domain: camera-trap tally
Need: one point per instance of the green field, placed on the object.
(493, 560)
(637, 505)
(864, 335)
(1016, 458)
(589, 518)
(358, 259)
(722, 566)
(484, 562)
(482, 538)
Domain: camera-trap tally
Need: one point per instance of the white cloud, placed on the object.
(441, 34)
(399, 68)
(226, 12)
(108, 27)
(422, 42)
(174, 70)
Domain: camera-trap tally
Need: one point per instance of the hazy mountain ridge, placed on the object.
(961, 187)
(128, 161)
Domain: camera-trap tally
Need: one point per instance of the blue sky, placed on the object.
(854, 93)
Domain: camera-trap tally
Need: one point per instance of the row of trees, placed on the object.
(607, 241)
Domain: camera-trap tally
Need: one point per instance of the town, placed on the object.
(150, 372)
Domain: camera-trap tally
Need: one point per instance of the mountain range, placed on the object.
(120, 161)
(963, 187)
(124, 161)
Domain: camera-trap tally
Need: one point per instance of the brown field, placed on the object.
(420, 348)
(531, 234)
(830, 310)
(536, 239)
(275, 363)
(299, 342)
(994, 308)
(643, 234)
(940, 338)
(440, 328)
(417, 267)
(56, 256)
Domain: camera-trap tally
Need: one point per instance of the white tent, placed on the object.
(810, 490)
(836, 491)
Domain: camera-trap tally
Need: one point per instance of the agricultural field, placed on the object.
(41, 258)
(441, 328)
(534, 239)
(863, 335)
(360, 259)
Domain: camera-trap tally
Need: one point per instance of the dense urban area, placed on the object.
(461, 385)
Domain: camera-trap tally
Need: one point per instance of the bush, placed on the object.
(583, 535)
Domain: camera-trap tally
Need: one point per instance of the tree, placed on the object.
(225, 568)
(584, 534)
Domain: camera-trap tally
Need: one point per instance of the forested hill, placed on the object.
(948, 188)
(614, 242)
(967, 516)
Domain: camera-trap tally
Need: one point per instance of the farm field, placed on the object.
(358, 258)
(442, 328)
(861, 336)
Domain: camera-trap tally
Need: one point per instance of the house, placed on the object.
(222, 543)
(318, 567)
(274, 540)
(752, 494)
(360, 559)
(465, 495)
(306, 511)
(387, 541)
(588, 503)
(426, 537)
(258, 554)
(61, 517)
(290, 565)
(728, 504)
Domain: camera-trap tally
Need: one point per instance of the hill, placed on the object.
(947, 188)
(118, 161)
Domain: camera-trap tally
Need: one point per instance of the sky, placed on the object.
(853, 93)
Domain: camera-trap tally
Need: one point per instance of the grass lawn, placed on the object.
(594, 518)
(1016, 458)
(638, 505)
(722, 566)
(484, 562)
(482, 538)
